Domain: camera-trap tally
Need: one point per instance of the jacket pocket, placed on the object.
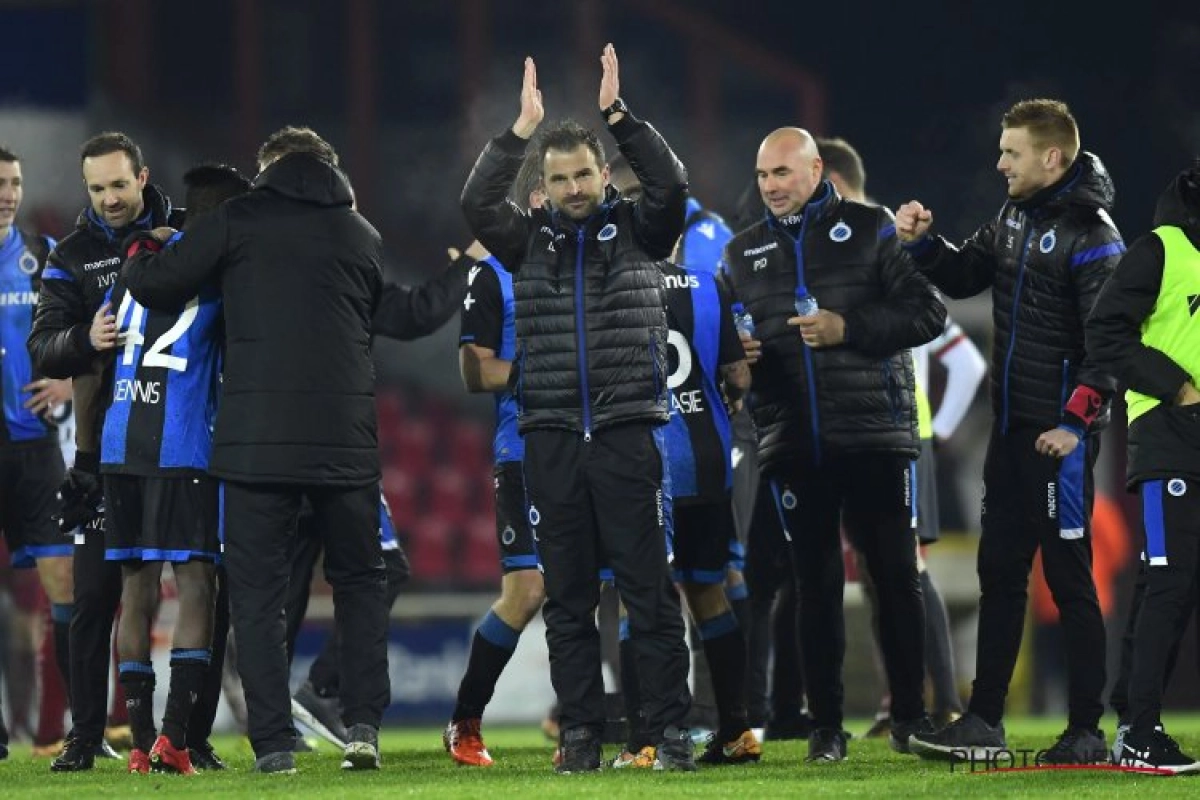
(894, 388)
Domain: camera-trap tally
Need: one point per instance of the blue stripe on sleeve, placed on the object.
(56, 274)
(1097, 253)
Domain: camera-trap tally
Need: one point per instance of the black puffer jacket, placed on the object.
(1045, 260)
(78, 273)
(857, 397)
(300, 274)
(1164, 442)
(590, 320)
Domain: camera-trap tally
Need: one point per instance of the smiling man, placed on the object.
(590, 380)
(1044, 257)
(79, 272)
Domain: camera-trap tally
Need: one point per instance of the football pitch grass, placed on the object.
(414, 764)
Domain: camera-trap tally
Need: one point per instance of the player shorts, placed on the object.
(30, 475)
(703, 536)
(517, 550)
(161, 519)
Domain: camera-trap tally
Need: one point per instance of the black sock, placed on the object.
(60, 614)
(491, 649)
(188, 668)
(137, 678)
(939, 654)
(725, 648)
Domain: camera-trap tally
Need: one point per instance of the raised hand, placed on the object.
(532, 111)
(610, 81)
(912, 221)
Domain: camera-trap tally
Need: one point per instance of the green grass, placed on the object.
(416, 765)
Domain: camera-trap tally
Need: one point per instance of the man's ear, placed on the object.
(143, 177)
(1052, 158)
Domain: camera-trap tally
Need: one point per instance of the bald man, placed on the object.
(837, 306)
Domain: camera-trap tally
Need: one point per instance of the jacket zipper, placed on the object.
(809, 369)
(581, 339)
(1012, 334)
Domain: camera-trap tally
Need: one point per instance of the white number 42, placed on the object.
(131, 334)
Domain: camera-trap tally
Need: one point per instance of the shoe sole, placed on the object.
(360, 756)
(309, 720)
(938, 752)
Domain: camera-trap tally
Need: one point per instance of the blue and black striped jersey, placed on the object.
(701, 338)
(165, 387)
(18, 298)
(488, 320)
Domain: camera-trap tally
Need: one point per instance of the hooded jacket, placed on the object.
(300, 274)
(1164, 442)
(1045, 259)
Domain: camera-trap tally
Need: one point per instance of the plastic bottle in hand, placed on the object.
(806, 305)
(742, 320)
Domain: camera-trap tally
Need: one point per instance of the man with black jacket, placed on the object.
(591, 386)
(301, 277)
(836, 415)
(1144, 327)
(78, 272)
(1044, 258)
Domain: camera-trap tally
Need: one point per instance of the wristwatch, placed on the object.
(618, 107)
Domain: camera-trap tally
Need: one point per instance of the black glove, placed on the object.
(82, 499)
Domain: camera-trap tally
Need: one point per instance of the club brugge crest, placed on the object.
(609, 231)
(1177, 487)
(1047, 242)
(840, 232)
(534, 516)
(788, 499)
(27, 263)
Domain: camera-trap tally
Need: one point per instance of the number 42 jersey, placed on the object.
(165, 387)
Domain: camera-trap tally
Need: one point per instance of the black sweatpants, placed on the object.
(97, 596)
(601, 502)
(871, 494)
(1033, 501)
(1171, 518)
(774, 677)
(260, 523)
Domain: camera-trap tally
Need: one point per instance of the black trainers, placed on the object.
(900, 732)
(826, 745)
(580, 750)
(322, 715)
(77, 755)
(675, 751)
(788, 728)
(280, 763)
(1157, 751)
(1077, 745)
(968, 737)
(205, 758)
(362, 749)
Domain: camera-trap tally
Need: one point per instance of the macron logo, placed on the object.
(1193, 304)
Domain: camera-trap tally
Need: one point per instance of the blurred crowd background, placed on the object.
(408, 91)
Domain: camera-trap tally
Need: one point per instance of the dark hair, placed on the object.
(113, 142)
(841, 157)
(209, 185)
(1050, 124)
(292, 139)
(528, 178)
(7, 155)
(565, 136)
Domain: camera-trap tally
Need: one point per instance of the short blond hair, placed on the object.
(1050, 124)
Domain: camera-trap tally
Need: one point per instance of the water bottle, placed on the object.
(806, 305)
(742, 320)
